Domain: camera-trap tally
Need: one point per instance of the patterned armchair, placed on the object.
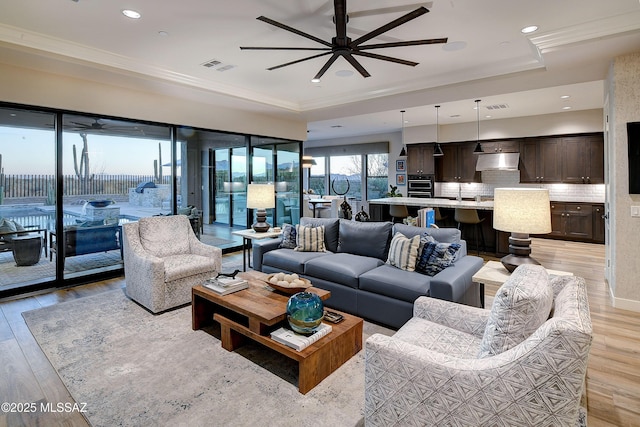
(163, 260)
(522, 363)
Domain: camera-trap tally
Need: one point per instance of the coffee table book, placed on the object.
(298, 341)
(225, 286)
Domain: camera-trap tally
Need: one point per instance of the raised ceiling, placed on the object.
(486, 57)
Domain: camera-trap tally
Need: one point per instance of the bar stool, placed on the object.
(439, 219)
(470, 217)
(398, 212)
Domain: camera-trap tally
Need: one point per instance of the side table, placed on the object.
(27, 249)
(493, 273)
(248, 236)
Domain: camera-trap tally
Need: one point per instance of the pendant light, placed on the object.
(478, 148)
(403, 152)
(437, 150)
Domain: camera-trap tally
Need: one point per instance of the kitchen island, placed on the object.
(495, 241)
(486, 205)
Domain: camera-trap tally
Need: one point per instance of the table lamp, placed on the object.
(261, 197)
(521, 211)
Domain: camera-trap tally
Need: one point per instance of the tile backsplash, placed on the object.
(588, 193)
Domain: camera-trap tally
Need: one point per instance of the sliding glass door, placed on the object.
(27, 197)
(113, 172)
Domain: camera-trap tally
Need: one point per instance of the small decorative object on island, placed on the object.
(362, 216)
(393, 192)
(305, 311)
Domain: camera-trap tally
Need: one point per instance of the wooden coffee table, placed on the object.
(255, 312)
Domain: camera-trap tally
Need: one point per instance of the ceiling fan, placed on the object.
(98, 126)
(341, 45)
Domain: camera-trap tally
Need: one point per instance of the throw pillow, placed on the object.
(288, 237)
(403, 252)
(520, 307)
(435, 257)
(309, 239)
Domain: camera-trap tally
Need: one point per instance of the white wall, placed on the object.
(31, 87)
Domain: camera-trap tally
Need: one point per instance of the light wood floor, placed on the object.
(613, 380)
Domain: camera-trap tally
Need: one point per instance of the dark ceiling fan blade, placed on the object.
(353, 61)
(326, 66)
(391, 9)
(293, 30)
(391, 25)
(298, 60)
(385, 58)
(340, 16)
(404, 43)
(282, 48)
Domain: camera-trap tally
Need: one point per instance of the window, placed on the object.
(317, 178)
(377, 175)
(345, 176)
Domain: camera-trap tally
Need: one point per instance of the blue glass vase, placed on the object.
(305, 311)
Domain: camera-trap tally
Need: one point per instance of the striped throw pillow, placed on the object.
(309, 239)
(403, 252)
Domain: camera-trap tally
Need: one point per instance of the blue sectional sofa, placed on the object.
(353, 268)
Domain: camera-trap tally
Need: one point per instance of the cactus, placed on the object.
(82, 168)
(157, 165)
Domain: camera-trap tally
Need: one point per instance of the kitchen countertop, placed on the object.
(486, 205)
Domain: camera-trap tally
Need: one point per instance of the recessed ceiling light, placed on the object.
(487, 117)
(315, 80)
(529, 29)
(131, 14)
(163, 33)
(565, 97)
(566, 108)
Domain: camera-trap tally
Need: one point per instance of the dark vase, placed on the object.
(305, 311)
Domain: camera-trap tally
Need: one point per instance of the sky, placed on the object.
(30, 151)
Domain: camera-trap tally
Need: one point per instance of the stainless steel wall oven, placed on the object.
(420, 186)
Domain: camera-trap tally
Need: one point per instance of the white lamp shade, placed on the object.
(260, 196)
(522, 210)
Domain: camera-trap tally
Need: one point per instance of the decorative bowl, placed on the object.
(290, 288)
(305, 311)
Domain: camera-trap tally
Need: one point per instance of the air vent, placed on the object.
(225, 68)
(497, 107)
(212, 63)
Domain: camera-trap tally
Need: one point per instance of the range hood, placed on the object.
(498, 162)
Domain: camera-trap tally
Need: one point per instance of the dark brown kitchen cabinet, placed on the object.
(572, 220)
(420, 159)
(458, 164)
(598, 223)
(583, 159)
(511, 146)
(541, 160)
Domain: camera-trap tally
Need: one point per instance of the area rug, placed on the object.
(132, 368)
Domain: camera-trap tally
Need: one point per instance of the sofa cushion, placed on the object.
(341, 268)
(439, 338)
(365, 238)
(520, 307)
(444, 235)
(394, 283)
(403, 252)
(162, 236)
(435, 257)
(331, 226)
(290, 260)
(309, 239)
(289, 237)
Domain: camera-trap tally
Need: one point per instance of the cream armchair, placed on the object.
(465, 366)
(163, 260)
